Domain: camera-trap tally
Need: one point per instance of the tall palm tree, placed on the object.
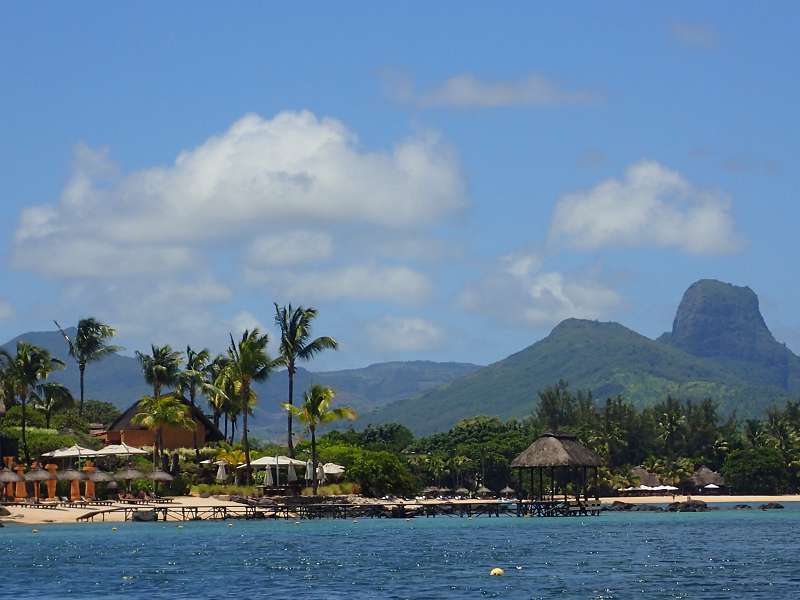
(50, 397)
(194, 377)
(161, 367)
(90, 345)
(249, 362)
(217, 400)
(316, 410)
(25, 370)
(296, 345)
(155, 413)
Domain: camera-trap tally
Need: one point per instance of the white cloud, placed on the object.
(359, 282)
(468, 91)
(290, 248)
(694, 35)
(259, 173)
(6, 310)
(516, 290)
(404, 334)
(245, 321)
(650, 206)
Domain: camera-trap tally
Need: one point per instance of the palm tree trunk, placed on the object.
(47, 419)
(289, 441)
(314, 481)
(226, 426)
(156, 445)
(82, 369)
(245, 441)
(192, 393)
(24, 436)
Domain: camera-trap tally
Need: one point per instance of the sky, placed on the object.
(442, 182)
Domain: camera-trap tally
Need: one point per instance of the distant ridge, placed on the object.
(720, 347)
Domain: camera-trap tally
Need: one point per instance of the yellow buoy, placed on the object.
(497, 572)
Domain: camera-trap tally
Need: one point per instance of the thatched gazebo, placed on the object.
(560, 459)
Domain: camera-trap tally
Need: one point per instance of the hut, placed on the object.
(124, 430)
(705, 480)
(562, 461)
(645, 477)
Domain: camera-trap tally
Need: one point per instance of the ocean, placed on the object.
(721, 554)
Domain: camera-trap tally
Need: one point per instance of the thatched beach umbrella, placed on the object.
(159, 475)
(74, 477)
(506, 491)
(484, 491)
(37, 475)
(9, 478)
(462, 491)
(128, 473)
(98, 476)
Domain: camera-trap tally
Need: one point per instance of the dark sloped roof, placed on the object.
(645, 477)
(557, 450)
(703, 476)
(125, 421)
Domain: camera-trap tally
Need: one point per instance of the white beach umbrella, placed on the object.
(671, 488)
(74, 451)
(277, 471)
(268, 478)
(122, 449)
(333, 469)
(222, 473)
(309, 470)
(320, 474)
(711, 486)
(291, 475)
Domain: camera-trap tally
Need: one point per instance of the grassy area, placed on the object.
(334, 489)
(232, 490)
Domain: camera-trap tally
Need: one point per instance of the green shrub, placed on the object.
(33, 417)
(233, 490)
(381, 473)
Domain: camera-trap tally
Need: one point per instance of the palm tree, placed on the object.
(90, 345)
(155, 413)
(249, 362)
(316, 410)
(193, 378)
(161, 367)
(295, 327)
(24, 371)
(216, 399)
(52, 397)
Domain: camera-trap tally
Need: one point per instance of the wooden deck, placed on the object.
(470, 509)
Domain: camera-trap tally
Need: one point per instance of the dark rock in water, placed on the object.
(771, 506)
(616, 506)
(688, 506)
(647, 508)
(742, 507)
(144, 516)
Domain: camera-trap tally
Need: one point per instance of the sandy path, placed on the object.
(708, 499)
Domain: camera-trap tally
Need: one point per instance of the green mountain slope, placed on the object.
(719, 347)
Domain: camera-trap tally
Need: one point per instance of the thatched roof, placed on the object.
(703, 476)
(125, 421)
(557, 450)
(645, 477)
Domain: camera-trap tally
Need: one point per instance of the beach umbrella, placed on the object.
(271, 461)
(309, 470)
(74, 451)
(112, 485)
(291, 475)
(71, 475)
(277, 472)
(268, 478)
(122, 449)
(128, 474)
(506, 491)
(37, 475)
(711, 486)
(483, 490)
(222, 473)
(159, 475)
(462, 491)
(320, 474)
(333, 469)
(8, 476)
(671, 488)
(98, 476)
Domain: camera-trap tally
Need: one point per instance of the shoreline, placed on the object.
(21, 515)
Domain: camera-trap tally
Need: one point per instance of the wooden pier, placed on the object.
(469, 509)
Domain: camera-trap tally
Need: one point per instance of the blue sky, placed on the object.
(442, 182)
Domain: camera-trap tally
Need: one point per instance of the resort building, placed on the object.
(123, 430)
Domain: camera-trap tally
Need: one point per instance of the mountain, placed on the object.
(118, 379)
(720, 347)
(723, 322)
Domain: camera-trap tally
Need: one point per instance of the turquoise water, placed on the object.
(724, 554)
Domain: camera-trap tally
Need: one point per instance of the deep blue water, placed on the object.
(724, 554)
